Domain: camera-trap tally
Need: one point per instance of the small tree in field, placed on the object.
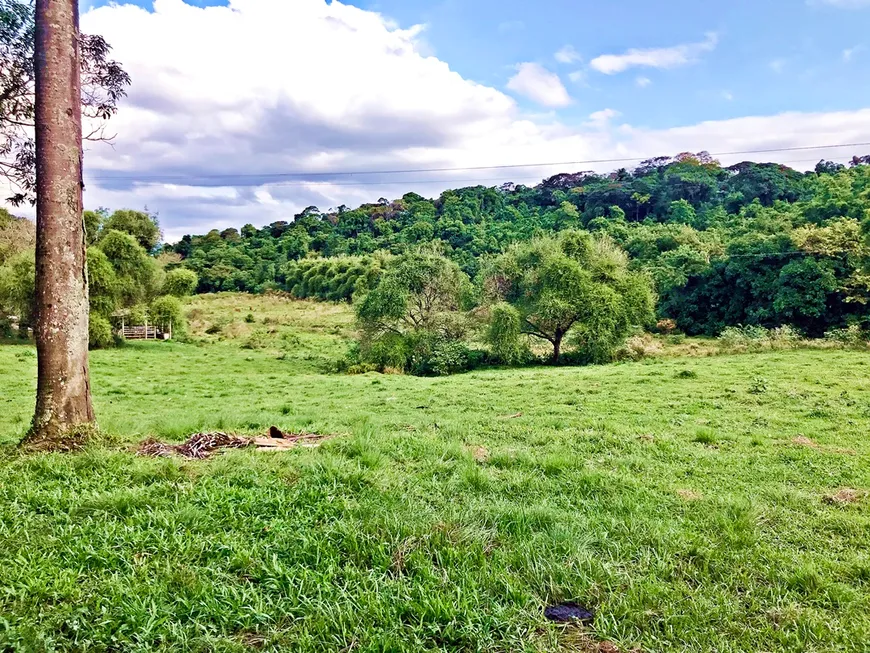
(412, 317)
(573, 285)
(180, 282)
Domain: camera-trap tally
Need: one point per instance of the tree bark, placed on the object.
(557, 347)
(63, 396)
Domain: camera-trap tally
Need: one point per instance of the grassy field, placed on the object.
(698, 504)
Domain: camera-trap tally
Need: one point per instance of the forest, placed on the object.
(750, 244)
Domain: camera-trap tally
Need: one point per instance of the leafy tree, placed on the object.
(413, 317)
(103, 287)
(166, 312)
(572, 284)
(17, 283)
(104, 84)
(135, 271)
(143, 226)
(180, 282)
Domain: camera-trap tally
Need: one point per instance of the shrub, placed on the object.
(852, 337)
(504, 335)
(100, 335)
(259, 339)
(448, 358)
(250, 319)
(758, 386)
(166, 312)
(638, 347)
(180, 282)
(666, 326)
(745, 338)
(390, 350)
(785, 337)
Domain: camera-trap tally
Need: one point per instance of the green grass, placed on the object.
(676, 504)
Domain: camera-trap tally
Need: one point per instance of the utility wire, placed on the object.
(458, 169)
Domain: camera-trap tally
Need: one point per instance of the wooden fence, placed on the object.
(146, 332)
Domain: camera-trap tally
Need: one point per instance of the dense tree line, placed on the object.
(126, 279)
(753, 243)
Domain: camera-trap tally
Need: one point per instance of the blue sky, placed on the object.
(223, 99)
(770, 56)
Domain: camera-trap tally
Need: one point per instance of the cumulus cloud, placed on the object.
(225, 97)
(539, 85)
(568, 54)
(601, 119)
(678, 55)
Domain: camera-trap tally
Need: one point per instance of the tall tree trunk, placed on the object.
(63, 395)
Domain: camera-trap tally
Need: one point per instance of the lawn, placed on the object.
(697, 504)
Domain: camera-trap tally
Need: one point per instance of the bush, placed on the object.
(851, 337)
(448, 358)
(180, 282)
(390, 350)
(504, 335)
(785, 337)
(639, 347)
(259, 339)
(666, 326)
(100, 334)
(166, 312)
(757, 338)
(745, 338)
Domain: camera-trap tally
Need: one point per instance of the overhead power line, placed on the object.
(412, 182)
(346, 173)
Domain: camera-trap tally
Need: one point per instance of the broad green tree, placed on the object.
(572, 285)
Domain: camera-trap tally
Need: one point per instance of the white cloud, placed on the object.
(601, 119)
(849, 53)
(540, 85)
(578, 76)
(678, 55)
(727, 95)
(643, 82)
(567, 54)
(236, 91)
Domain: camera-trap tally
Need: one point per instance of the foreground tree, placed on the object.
(573, 285)
(63, 395)
(104, 82)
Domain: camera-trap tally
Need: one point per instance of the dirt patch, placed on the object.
(572, 639)
(514, 416)
(480, 454)
(845, 497)
(690, 495)
(804, 441)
